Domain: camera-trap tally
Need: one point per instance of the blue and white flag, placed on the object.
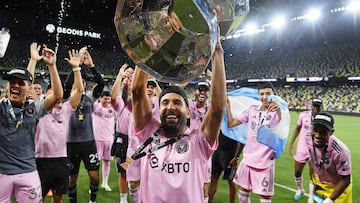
(275, 138)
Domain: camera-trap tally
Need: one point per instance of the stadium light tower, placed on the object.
(313, 15)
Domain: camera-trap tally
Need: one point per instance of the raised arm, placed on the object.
(140, 102)
(212, 120)
(232, 122)
(34, 58)
(97, 77)
(74, 60)
(49, 58)
(124, 72)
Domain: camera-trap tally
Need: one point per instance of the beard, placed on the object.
(173, 130)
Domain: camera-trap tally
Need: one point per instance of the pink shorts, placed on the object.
(133, 171)
(104, 150)
(27, 187)
(260, 181)
(301, 157)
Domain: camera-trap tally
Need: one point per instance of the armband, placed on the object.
(76, 69)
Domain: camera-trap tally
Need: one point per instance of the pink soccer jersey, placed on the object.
(133, 171)
(174, 173)
(302, 152)
(103, 120)
(255, 154)
(124, 113)
(197, 114)
(331, 163)
(52, 131)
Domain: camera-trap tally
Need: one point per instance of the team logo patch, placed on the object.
(110, 111)
(30, 111)
(182, 146)
(154, 161)
(268, 117)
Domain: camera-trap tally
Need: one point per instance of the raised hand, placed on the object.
(88, 59)
(34, 51)
(49, 56)
(75, 57)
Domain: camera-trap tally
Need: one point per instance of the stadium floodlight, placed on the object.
(278, 22)
(354, 6)
(313, 15)
(249, 28)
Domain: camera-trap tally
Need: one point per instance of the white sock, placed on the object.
(265, 200)
(105, 180)
(206, 199)
(311, 190)
(123, 198)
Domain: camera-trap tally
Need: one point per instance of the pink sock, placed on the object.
(299, 182)
(244, 197)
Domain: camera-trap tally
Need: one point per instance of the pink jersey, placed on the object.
(304, 121)
(197, 114)
(331, 163)
(255, 154)
(174, 173)
(103, 120)
(124, 115)
(52, 131)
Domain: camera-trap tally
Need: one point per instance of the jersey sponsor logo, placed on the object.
(176, 167)
(154, 161)
(182, 146)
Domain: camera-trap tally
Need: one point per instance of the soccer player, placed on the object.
(18, 173)
(122, 106)
(104, 123)
(174, 172)
(81, 144)
(330, 162)
(198, 109)
(257, 168)
(225, 159)
(302, 153)
(51, 134)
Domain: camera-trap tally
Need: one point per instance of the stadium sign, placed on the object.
(71, 31)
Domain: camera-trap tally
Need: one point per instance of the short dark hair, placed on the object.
(175, 89)
(266, 85)
(105, 93)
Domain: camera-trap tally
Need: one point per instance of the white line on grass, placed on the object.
(289, 188)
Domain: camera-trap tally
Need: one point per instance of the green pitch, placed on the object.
(347, 128)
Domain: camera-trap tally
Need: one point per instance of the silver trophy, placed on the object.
(232, 14)
(172, 40)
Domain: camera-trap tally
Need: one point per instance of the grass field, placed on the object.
(347, 128)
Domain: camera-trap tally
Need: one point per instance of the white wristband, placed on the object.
(76, 69)
(328, 200)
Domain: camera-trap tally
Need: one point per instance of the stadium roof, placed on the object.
(28, 19)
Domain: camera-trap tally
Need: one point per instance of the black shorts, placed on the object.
(85, 151)
(120, 150)
(54, 174)
(220, 162)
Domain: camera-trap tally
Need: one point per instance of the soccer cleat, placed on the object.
(106, 187)
(298, 195)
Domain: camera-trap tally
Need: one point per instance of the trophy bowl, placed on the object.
(232, 14)
(172, 40)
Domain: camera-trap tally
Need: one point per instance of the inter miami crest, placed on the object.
(182, 146)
